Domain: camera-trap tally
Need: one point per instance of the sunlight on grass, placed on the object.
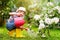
(55, 35)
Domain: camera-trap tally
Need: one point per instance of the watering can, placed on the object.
(19, 22)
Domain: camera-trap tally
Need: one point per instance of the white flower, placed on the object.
(46, 15)
(42, 25)
(48, 21)
(2, 14)
(56, 20)
(43, 35)
(41, 21)
(37, 17)
(44, 8)
(33, 5)
(41, 15)
(57, 7)
(47, 26)
(54, 8)
(59, 10)
(50, 4)
(51, 15)
(50, 11)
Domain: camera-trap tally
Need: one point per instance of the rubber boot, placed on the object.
(19, 33)
(12, 33)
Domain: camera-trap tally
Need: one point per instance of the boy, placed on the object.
(19, 13)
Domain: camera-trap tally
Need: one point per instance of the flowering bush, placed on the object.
(49, 15)
(45, 16)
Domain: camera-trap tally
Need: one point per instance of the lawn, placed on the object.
(55, 35)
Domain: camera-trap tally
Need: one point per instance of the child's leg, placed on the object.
(12, 33)
(19, 33)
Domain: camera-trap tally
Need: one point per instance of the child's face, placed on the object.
(21, 13)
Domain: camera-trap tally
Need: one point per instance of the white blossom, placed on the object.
(46, 16)
(43, 35)
(47, 26)
(41, 15)
(44, 8)
(50, 4)
(2, 14)
(42, 25)
(37, 17)
(31, 33)
(59, 10)
(51, 15)
(41, 21)
(57, 7)
(48, 21)
(50, 11)
(33, 5)
(56, 20)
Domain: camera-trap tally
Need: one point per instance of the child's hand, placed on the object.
(12, 13)
(20, 15)
(21, 27)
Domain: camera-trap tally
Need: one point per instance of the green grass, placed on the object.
(55, 35)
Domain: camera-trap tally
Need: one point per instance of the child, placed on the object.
(19, 13)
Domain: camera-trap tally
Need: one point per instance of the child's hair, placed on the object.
(21, 9)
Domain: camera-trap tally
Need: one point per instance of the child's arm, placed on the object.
(12, 13)
(10, 18)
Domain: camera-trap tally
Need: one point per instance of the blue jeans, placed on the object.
(10, 25)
